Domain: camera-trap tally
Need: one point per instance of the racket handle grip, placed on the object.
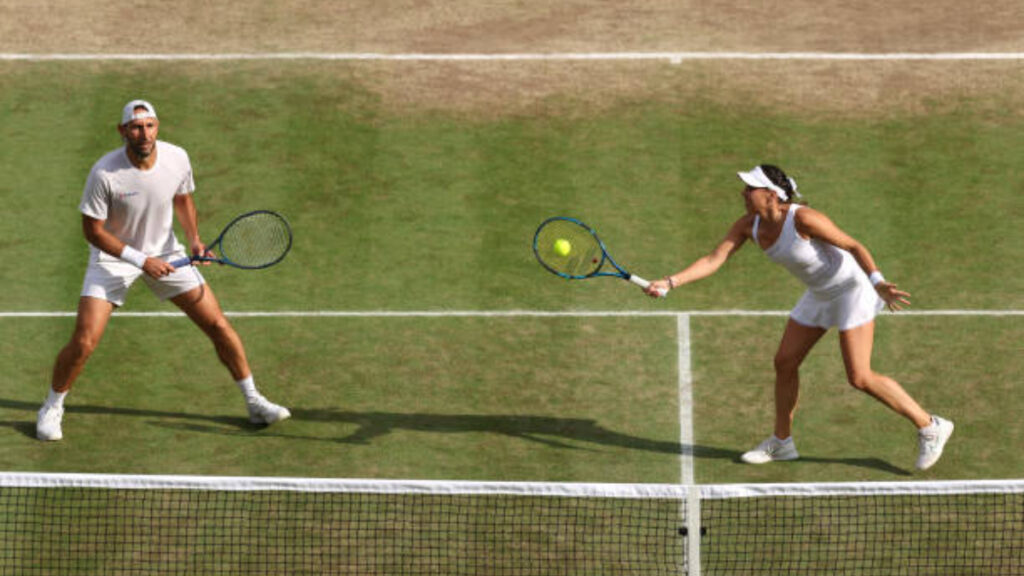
(181, 262)
(638, 281)
(645, 284)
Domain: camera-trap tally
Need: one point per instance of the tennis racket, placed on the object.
(251, 241)
(569, 248)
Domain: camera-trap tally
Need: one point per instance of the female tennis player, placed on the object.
(844, 290)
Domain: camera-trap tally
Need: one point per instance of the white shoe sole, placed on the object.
(49, 437)
(261, 418)
(758, 457)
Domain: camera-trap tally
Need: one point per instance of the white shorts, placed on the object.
(109, 279)
(855, 305)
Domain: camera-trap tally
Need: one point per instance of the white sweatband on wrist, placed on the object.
(133, 256)
(876, 278)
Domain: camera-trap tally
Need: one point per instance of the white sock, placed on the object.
(248, 387)
(781, 441)
(56, 399)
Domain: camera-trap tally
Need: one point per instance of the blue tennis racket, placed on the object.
(569, 248)
(251, 241)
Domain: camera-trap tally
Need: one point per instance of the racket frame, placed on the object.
(620, 272)
(223, 260)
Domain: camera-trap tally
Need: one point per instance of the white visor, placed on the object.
(130, 113)
(756, 178)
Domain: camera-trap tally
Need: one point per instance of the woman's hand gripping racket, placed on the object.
(569, 248)
(252, 241)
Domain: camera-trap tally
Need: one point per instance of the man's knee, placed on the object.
(82, 345)
(218, 328)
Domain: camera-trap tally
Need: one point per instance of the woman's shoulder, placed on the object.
(804, 214)
(811, 223)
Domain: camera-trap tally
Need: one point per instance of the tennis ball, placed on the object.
(562, 247)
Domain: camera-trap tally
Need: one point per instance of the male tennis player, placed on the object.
(128, 206)
(844, 290)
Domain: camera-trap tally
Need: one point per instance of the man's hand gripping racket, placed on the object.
(252, 241)
(570, 249)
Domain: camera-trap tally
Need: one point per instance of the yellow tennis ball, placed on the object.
(562, 247)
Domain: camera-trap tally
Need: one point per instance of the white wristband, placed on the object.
(876, 278)
(133, 256)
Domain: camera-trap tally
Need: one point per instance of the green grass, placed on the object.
(392, 398)
(961, 368)
(405, 209)
(554, 399)
(400, 208)
(435, 210)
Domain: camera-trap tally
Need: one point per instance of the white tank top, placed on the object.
(824, 268)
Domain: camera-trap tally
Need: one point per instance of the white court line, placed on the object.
(690, 506)
(506, 313)
(686, 436)
(673, 57)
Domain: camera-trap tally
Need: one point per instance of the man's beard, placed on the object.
(140, 151)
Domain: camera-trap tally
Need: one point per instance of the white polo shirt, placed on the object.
(138, 205)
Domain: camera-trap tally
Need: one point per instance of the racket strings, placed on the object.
(568, 248)
(259, 239)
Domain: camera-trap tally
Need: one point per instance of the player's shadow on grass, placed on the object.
(563, 433)
(550, 431)
(545, 430)
(28, 428)
(872, 463)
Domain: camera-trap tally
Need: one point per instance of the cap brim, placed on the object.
(754, 180)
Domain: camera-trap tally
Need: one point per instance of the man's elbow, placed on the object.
(89, 231)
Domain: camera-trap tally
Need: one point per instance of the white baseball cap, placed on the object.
(756, 178)
(128, 113)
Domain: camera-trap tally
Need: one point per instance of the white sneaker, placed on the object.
(772, 450)
(48, 423)
(263, 411)
(931, 440)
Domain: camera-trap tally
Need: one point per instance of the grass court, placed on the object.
(410, 330)
(403, 206)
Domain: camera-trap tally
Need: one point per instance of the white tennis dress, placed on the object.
(838, 292)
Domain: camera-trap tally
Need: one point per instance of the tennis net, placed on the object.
(119, 525)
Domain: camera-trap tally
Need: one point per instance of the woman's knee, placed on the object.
(786, 364)
(860, 380)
